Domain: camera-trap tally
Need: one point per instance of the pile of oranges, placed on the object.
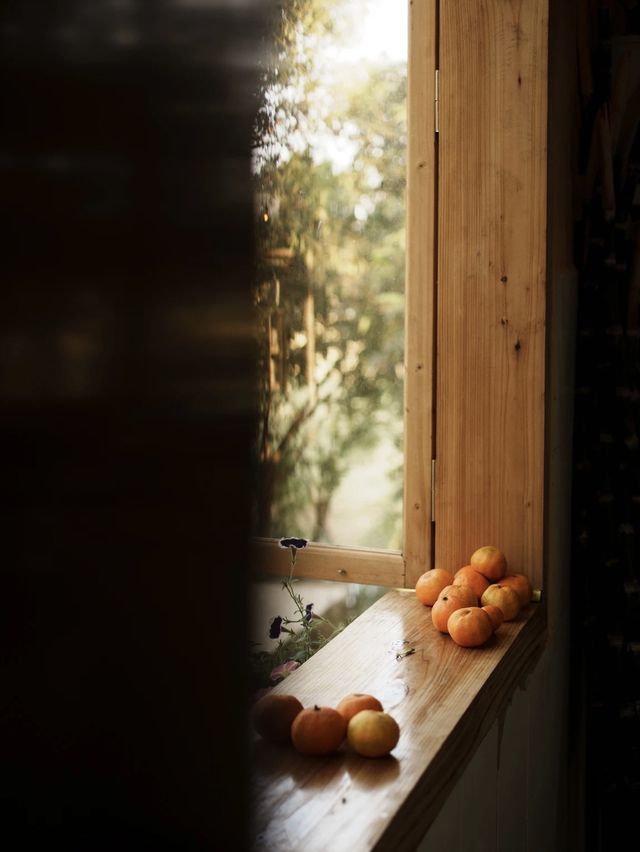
(471, 604)
(358, 718)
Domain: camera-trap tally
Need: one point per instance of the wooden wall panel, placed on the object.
(492, 219)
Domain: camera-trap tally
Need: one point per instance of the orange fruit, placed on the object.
(355, 702)
(470, 626)
(450, 598)
(318, 730)
(469, 576)
(431, 583)
(520, 584)
(504, 598)
(490, 561)
(495, 614)
(373, 733)
(273, 714)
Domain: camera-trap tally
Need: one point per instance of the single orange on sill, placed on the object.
(373, 733)
(318, 730)
(520, 584)
(470, 576)
(273, 714)
(355, 702)
(449, 600)
(470, 626)
(490, 561)
(504, 598)
(431, 583)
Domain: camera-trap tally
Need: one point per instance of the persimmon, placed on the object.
(495, 614)
(273, 714)
(470, 626)
(355, 702)
(504, 598)
(373, 733)
(520, 584)
(431, 583)
(490, 561)
(470, 576)
(318, 730)
(450, 598)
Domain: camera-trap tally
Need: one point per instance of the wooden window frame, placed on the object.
(391, 567)
(474, 387)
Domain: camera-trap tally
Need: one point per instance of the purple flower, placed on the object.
(308, 615)
(283, 670)
(298, 543)
(275, 628)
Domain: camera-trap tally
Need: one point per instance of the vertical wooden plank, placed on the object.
(491, 283)
(419, 360)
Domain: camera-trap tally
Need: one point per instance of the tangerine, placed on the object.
(273, 715)
(431, 583)
(373, 733)
(355, 702)
(470, 626)
(490, 561)
(520, 584)
(450, 599)
(470, 576)
(318, 730)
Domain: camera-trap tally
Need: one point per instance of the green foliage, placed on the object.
(330, 280)
(298, 638)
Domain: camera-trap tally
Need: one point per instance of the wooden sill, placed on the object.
(445, 698)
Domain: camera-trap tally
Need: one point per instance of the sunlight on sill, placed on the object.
(445, 698)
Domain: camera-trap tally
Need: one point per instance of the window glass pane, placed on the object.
(329, 171)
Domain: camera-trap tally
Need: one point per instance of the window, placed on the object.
(474, 372)
(331, 203)
(477, 274)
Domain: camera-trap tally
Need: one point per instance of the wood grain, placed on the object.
(491, 283)
(327, 562)
(443, 697)
(419, 304)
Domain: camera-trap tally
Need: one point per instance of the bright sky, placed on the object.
(383, 31)
(380, 32)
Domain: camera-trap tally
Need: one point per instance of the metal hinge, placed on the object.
(437, 102)
(433, 490)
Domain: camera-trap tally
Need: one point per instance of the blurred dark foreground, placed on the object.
(126, 412)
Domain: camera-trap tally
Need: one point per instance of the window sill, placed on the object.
(445, 698)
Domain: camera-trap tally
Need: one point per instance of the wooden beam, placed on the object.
(327, 562)
(419, 305)
(491, 288)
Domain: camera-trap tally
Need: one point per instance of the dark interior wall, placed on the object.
(126, 412)
(605, 576)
